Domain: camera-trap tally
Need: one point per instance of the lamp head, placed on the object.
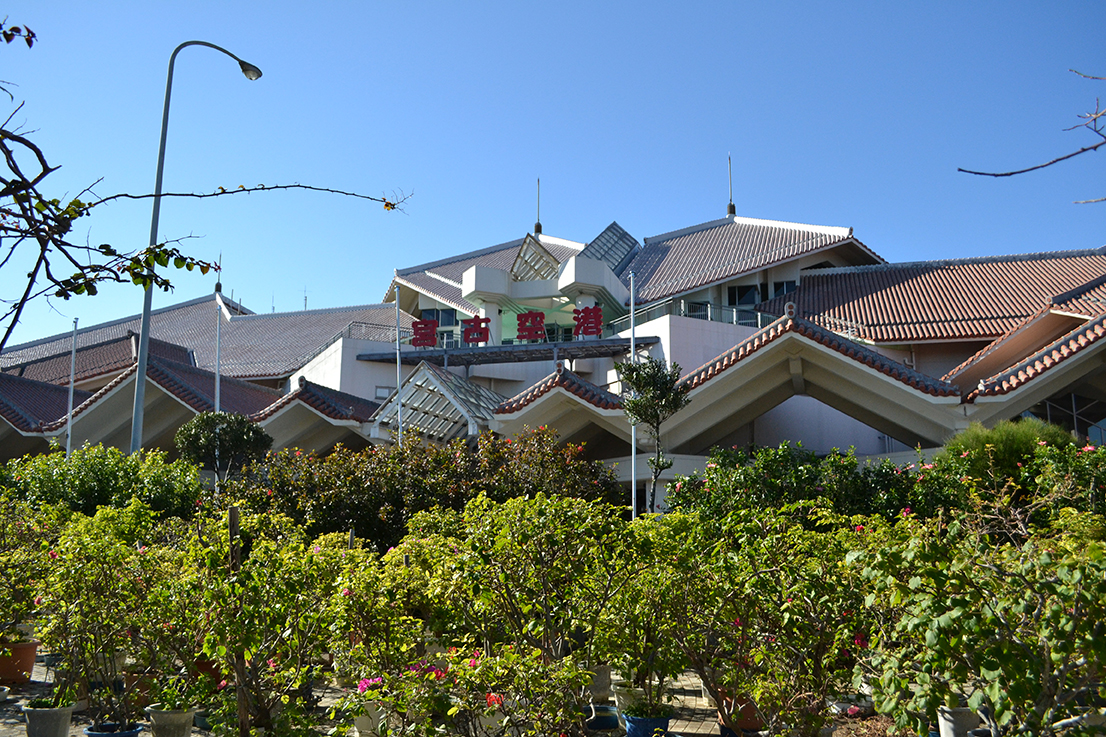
(249, 70)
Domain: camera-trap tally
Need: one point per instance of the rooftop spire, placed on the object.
(730, 209)
(537, 225)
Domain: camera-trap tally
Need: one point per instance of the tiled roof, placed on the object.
(96, 360)
(31, 405)
(330, 402)
(1088, 300)
(833, 341)
(966, 299)
(689, 259)
(268, 345)
(1048, 357)
(451, 270)
(564, 379)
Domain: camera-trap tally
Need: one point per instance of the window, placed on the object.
(383, 392)
(747, 295)
(446, 318)
(783, 287)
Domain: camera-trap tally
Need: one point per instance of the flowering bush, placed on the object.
(27, 535)
(1020, 627)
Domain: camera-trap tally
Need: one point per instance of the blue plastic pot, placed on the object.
(646, 726)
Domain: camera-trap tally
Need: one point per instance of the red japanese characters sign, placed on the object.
(531, 325)
(475, 330)
(589, 321)
(425, 333)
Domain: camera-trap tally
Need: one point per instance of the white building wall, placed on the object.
(337, 367)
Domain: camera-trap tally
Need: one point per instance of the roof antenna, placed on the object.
(305, 298)
(219, 274)
(730, 209)
(537, 225)
(273, 308)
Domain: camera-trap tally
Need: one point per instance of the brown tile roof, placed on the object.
(329, 402)
(692, 258)
(564, 379)
(833, 341)
(1088, 300)
(96, 360)
(966, 299)
(266, 345)
(32, 406)
(1048, 357)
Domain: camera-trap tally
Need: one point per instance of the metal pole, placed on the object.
(72, 380)
(633, 428)
(399, 380)
(251, 73)
(218, 347)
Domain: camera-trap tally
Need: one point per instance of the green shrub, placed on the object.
(96, 476)
(999, 453)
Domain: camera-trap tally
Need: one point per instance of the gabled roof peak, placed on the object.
(542, 238)
(832, 230)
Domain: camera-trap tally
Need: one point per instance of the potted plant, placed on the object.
(97, 582)
(1012, 618)
(26, 537)
(51, 716)
(175, 700)
(638, 633)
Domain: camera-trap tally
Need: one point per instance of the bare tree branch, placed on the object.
(1092, 121)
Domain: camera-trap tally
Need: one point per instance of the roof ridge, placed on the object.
(318, 311)
(1002, 258)
(838, 230)
(1026, 370)
(108, 324)
(461, 257)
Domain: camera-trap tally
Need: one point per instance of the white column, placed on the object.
(495, 326)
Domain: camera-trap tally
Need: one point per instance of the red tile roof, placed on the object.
(329, 402)
(967, 299)
(833, 341)
(96, 360)
(1048, 357)
(31, 405)
(692, 258)
(562, 378)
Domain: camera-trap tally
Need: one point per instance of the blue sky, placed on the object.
(836, 114)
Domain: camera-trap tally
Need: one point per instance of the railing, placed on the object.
(359, 331)
(695, 310)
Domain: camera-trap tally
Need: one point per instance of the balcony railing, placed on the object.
(695, 310)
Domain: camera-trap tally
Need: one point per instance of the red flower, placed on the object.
(494, 700)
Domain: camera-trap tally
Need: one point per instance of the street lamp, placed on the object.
(251, 73)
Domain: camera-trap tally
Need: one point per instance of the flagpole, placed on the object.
(72, 380)
(633, 427)
(399, 380)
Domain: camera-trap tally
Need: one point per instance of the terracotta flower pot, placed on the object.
(17, 667)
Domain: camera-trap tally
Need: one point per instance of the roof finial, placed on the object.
(219, 272)
(730, 209)
(537, 225)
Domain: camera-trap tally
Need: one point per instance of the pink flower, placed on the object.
(53, 554)
(860, 640)
(1041, 442)
(737, 622)
(366, 683)
(38, 601)
(222, 684)
(854, 711)
(347, 592)
(860, 528)
(1087, 448)
(905, 511)
(271, 662)
(965, 454)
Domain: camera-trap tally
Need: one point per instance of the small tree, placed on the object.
(222, 442)
(651, 393)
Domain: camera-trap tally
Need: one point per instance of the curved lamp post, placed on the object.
(251, 73)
